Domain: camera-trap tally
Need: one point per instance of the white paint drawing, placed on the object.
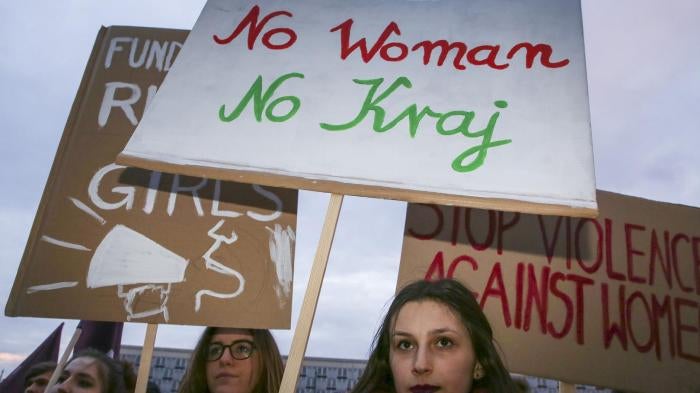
(218, 267)
(281, 245)
(65, 244)
(52, 286)
(94, 187)
(126, 257)
(85, 208)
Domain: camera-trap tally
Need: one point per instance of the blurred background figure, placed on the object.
(37, 377)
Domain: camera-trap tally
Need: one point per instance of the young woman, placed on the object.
(92, 371)
(228, 360)
(434, 337)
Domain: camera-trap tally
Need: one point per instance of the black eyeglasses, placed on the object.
(239, 350)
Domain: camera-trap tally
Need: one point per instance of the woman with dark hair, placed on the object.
(229, 360)
(435, 337)
(91, 371)
(38, 376)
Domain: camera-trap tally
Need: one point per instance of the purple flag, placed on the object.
(103, 336)
(46, 351)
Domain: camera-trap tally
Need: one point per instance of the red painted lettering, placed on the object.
(657, 255)
(612, 274)
(611, 329)
(531, 51)
(519, 278)
(438, 225)
(674, 258)
(649, 325)
(496, 288)
(682, 327)
(568, 304)
(537, 295)
(631, 252)
(659, 311)
(457, 261)
(489, 232)
(489, 59)
(254, 29)
(445, 47)
(599, 246)
(436, 271)
(549, 245)
(503, 226)
(367, 54)
(580, 282)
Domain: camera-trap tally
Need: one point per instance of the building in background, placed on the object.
(317, 375)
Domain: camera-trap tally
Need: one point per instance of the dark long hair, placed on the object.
(116, 376)
(377, 376)
(270, 363)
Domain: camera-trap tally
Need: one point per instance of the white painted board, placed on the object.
(507, 93)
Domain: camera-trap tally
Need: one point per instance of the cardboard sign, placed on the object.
(123, 244)
(612, 301)
(481, 103)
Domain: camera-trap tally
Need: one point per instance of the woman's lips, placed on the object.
(224, 375)
(424, 388)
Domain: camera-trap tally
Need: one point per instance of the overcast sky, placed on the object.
(644, 86)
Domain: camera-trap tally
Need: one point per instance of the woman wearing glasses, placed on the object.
(228, 360)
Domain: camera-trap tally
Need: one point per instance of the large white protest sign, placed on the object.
(480, 103)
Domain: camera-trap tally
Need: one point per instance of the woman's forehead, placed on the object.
(83, 364)
(427, 309)
(231, 334)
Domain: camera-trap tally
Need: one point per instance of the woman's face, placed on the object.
(230, 375)
(81, 375)
(430, 350)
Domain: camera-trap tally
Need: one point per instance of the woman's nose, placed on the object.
(422, 361)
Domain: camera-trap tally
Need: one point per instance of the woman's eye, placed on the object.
(214, 350)
(244, 349)
(84, 383)
(404, 345)
(444, 342)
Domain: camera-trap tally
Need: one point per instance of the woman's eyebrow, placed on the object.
(84, 375)
(442, 330)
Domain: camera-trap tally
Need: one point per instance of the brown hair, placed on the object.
(377, 376)
(270, 362)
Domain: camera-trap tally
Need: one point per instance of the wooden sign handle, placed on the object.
(313, 288)
(64, 358)
(566, 387)
(146, 356)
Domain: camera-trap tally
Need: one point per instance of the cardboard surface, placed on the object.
(612, 301)
(452, 101)
(125, 244)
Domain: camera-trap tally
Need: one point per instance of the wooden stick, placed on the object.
(313, 288)
(566, 387)
(64, 358)
(146, 356)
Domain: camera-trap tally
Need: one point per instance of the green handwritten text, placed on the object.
(260, 101)
(467, 161)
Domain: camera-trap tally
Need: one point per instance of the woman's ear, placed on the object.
(479, 371)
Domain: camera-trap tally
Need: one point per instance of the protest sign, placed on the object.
(479, 103)
(612, 301)
(111, 243)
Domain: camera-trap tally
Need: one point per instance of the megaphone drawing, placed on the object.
(126, 257)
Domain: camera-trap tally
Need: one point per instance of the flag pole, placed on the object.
(64, 358)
